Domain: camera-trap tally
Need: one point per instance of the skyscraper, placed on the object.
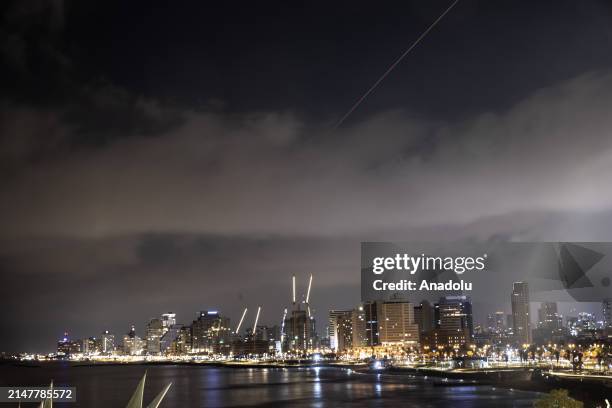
(344, 332)
(300, 332)
(66, 346)
(548, 317)
(155, 331)
(108, 342)
(606, 308)
(586, 322)
(358, 321)
(371, 323)
(168, 320)
(396, 323)
(549, 327)
(454, 321)
(334, 317)
(132, 344)
(169, 338)
(424, 316)
(300, 329)
(181, 344)
(496, 327)
(521, 318)
(495, 322)
(210, 332)
(91, 345)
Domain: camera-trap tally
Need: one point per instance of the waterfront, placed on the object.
(196, 386)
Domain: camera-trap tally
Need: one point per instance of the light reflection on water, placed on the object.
(197, 386)
(316, 390)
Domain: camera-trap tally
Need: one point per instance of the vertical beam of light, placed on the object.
(293, 284)
(283, 326)
(256, 319)
(392, 67)
(308, 291)
(241, 319)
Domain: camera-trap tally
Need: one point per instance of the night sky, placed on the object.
(181, 156)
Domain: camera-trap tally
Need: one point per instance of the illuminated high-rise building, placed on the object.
(371, 323)
(496, 322)
(168, 320)
(606, 308)
(169, 338)
(344, 332)
(454, 322)
(521, 318)
(424, 316)
(66, 346)
(91, 345)
(132, 344)
(300, 331)
(300, 325)
(181, 342)
(549, 328)
(396, 323)
(548, 317)
(334, 317)
(210, 333)
(358, 321)
(586, 322)
(155, 331)
(496, 329)
(107, 342)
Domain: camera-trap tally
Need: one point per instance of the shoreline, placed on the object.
(590, 391)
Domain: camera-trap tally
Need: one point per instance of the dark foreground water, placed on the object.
(193, 386)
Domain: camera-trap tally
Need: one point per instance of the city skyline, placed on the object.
(447, 323)
(535, 319)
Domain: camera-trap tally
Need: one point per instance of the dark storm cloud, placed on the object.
(50, 107)
(30, 33)
(272, 173)
(33, 65)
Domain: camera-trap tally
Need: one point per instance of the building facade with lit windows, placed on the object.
(358, 326)
(453, 324)
(396, 324)
(606, 309)
(300, 331)
(521, 317)
(155, 331)
(337, 318)
(211, 333)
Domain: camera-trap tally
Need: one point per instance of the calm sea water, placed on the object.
(193, 386)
